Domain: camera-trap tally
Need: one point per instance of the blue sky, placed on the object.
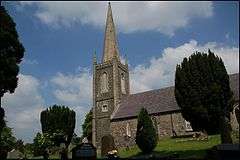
(61, 37)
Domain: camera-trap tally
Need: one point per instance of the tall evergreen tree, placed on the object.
(59, 123)
(11, 54)
(203, 93)
(146, 136)
(87, 126)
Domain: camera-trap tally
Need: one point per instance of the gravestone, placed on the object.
(84, 151)
(107, 145)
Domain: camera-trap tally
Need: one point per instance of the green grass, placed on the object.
(184, 147)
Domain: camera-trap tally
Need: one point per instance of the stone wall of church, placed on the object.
(119, 133)
(124, 131)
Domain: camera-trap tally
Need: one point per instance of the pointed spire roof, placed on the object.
(110, 42)
(94, 58)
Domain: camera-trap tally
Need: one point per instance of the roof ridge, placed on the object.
(233, 74)
(152, 90)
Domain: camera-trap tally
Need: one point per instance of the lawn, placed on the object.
(184, 147)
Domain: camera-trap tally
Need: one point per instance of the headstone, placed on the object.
(85, 140)
(14, 154)
(84, 151)
(107, 145)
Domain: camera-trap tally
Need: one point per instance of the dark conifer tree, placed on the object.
(87, 126)
(203, 93)
(146, 136)
(11, 54)
(58, 122)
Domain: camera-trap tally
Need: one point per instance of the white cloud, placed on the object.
(161, 70)
(164, 17)
(75, 91)
(23, 107)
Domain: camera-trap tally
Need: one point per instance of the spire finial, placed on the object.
(94, 57)
(126, 60)
(110, 42)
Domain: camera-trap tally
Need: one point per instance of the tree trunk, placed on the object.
(225, 130)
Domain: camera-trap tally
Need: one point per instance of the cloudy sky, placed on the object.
(61, 37)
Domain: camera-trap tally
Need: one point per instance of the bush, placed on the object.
(146, 136)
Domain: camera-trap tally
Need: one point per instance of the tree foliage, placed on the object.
(42, 143)
(146, 136)
(203, 92)
(2, 121)
(7, 140)
(87, 126)
(11, 54)
(59, 122)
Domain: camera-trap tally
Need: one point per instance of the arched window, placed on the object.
(154, 120)
(104, 83)
(128, 130)
(123, 84)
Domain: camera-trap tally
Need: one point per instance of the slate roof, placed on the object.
(158, 101)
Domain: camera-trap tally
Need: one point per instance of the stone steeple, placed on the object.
(110, 42)
(110, 84)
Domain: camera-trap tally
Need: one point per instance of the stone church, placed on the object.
(115, 110)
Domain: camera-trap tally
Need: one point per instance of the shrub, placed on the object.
(146, 136)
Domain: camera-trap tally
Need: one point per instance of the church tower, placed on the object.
(110, 83)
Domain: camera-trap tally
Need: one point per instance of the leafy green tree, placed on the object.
(59, 122)
(42, 143)
(203, 93)
(87, 126)
(2, 121)
(7, 141)
(29, 148)
(146, 136)
(11, 54)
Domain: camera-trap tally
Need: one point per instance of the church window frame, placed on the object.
(128, 130)
(123, 83)
(104, 88)
(104, 108)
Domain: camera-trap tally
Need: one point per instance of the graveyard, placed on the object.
(182, 148)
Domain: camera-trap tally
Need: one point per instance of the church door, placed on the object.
(107, 144)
